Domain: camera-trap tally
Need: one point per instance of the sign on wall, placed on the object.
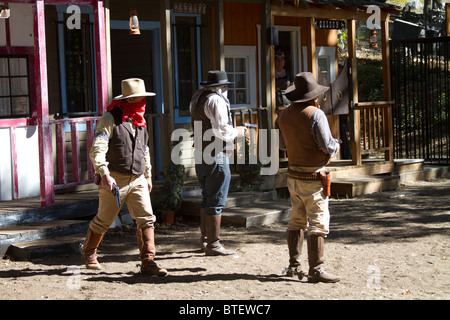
(188, 7)
(329, 24)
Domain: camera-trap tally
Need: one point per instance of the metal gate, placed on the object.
(421, 89)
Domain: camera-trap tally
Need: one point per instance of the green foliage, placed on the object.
(169, 197)
(250, 178)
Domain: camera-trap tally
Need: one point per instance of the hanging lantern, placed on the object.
(134, 22)
(373, 39)
(4, 11)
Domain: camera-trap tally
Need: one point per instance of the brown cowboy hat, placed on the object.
(305, 88)
(133, 87)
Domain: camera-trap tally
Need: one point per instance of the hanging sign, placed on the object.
(190, 8)
(329, 24)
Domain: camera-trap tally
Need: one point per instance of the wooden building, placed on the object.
(61, 62)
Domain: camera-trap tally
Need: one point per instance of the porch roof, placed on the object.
(344, 4)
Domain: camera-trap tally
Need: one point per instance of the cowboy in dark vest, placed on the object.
(211, 117)
(306, 135)
(120, 155)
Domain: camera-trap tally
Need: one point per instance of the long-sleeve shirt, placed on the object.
(103, 134)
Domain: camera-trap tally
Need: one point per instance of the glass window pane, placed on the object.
(241, 96)
(4, 87)
(229, 67)
(19, 86)
(5, 107)
(3, 67)
(231, 97)
(20, 106)
(18, 66)
(241, 81)
(240, 65)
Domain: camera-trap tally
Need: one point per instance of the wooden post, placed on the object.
(219, 37)
(167, 78)
(44, 128)
(389, 154)
(311, 37)
(355, 128)
(101, 55)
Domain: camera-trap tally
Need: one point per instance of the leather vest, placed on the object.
(294, 123)
(198, 114)
(125, 150)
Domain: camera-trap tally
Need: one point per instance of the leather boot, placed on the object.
(89, 250)
(315, 258)
(203, 229)
(147, 252)
(213, 246)
(295, 244)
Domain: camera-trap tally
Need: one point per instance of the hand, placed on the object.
(242, 130)
(108, 182)
(149, 184)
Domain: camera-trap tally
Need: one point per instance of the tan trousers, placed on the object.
(309, 206)
(133, 191)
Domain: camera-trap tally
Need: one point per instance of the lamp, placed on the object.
(134, 22)
(5, 12)
(373, 39)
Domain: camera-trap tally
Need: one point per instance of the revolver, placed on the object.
(115, 191)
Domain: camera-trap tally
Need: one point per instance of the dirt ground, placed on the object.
(387, 246)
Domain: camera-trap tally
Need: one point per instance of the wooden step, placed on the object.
(191, 205)
(257, 214)
(40, 230)
(354, 186)
(32, 250)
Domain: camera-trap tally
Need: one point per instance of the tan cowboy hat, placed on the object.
(305, 88)
(133, 87)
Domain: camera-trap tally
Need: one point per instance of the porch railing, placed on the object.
(75, 148)
(376, 126)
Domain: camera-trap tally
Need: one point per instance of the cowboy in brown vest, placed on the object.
(120, 155)
(305, 134)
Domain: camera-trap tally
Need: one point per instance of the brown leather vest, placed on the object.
(294, 123)
(126, 151)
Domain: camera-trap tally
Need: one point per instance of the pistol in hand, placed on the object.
(115, 191)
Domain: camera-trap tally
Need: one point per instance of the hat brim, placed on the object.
(294, 96)
(144, 94)
(206, 84)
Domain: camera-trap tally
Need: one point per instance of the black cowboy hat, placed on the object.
(304, 88)
(216, 78)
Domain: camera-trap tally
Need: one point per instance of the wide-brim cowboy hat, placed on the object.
(216, 78)
(133, 87)
(304, 88)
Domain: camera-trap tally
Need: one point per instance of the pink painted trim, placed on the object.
(61, 150)
(76, 163)
(45, 133)
(100, 57)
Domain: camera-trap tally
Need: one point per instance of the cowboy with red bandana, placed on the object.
(120, 155)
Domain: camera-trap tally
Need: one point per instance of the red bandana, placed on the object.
(131, 110)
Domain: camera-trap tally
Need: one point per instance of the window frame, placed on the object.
(28, 76)
(249, 53)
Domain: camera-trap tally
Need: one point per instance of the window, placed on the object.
(324, 66)
(237, 73)
(241, 70)
(14, 86)
(79, 67)
(186, 60)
